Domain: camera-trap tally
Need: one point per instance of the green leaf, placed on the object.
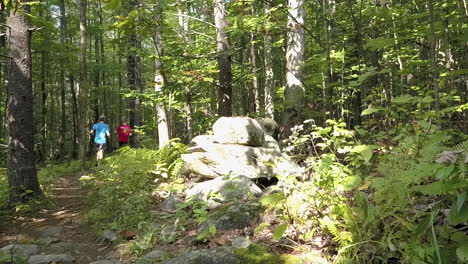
(460, 201)
(369, 111)
(462, 252)
(365, 151)
(279, 231)
(403, 99)
(445, 171)
(378, 43)
(423, 225)
(261, 227)
(272, 199)
(351, 182)
(459, 217)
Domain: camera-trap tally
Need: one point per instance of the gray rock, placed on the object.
(202, 140)
(49, 240)
(241, 242)
(170, 203)
(223, 189)
(168, 234)
(238, 130)
(232, 216)
(449, 157)
(271, 143)
(223, 255)
(62, 247)
(51, 231)
(109, 235)
(254, 162)
(154, 256)
(105, 262)
(224, 159)
(46, 259)
(22, 250)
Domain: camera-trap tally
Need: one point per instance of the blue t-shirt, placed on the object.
(100, 130)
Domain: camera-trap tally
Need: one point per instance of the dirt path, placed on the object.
(61, 229)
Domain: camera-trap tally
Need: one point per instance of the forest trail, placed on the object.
(61, 229)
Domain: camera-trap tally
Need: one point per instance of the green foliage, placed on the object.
(123, 185)
(256, 254)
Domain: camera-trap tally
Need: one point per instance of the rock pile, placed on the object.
(239, 151)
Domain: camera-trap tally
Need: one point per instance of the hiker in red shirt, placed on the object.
(124, 132)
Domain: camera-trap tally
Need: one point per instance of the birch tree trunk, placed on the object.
(22, 174)
(269, 91)
(163, 130)
(224, 60)
(294, 93)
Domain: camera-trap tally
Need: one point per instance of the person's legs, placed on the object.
(100, 151)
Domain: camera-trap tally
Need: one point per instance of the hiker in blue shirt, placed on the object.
(100, 131)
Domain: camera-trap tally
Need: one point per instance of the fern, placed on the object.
(463, 146)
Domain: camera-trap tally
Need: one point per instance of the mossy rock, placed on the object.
(233, 216)
(256, 254)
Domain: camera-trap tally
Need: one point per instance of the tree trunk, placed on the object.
(183, 29)
(83, 87)
(224, 60)
(255, 84)
(294, 93)
(63, 126)
(269, 75)
(22, 174)
(434, 71)
(163, 130)
(134, 78)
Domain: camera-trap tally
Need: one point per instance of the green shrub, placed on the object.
(256, 254)
(121, 187)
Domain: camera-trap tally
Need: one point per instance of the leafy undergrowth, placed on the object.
(122, 192)
(357, 202)
(386, 204)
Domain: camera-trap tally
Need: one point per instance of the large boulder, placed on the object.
(224, 255)
(214, 160)
(223, 189)
(238, 130)
(22, 250)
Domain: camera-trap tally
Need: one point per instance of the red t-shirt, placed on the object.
(124, 131)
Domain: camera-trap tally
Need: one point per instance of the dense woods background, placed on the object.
(397, 60)
(381, 84)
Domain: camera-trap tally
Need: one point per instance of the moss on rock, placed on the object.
(256, 254)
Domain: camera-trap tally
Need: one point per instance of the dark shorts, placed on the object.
(98, 147)
(122, 143)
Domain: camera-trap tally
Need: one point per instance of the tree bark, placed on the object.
(183, 30)
(134, 78)
(254, 68)
(295, 51)
(269, 91)
(224, 60)
(63, 126)
(83, 87)
(22, 174)
(163, 130)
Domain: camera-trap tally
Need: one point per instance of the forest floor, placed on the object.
(60, 229)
